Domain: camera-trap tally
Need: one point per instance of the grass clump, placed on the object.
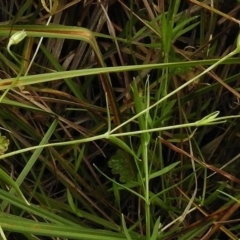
(120, 122)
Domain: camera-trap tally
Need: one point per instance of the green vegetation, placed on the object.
(119, 120)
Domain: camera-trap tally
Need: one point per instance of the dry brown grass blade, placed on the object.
(216, 216)
(112, 33)
(72, 185)
(140, 19)
(218, 225)
(60, 9)
(68, 98)
(81, 33)
(178, 150)
(214, 169)
(203, 5)
(46, 109)
(214, 76)
(149, 9)
(224, 174)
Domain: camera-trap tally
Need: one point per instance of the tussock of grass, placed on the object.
(119, 120)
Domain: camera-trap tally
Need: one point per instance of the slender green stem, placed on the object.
(178, 89)
(18, 76)
(107, 135)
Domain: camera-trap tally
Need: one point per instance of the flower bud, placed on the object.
(238, 43)
(16, 38)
